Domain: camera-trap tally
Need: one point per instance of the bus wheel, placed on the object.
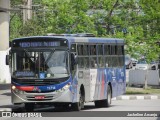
(109, 97)
(106, 102)
(29, 107)
(79, 105)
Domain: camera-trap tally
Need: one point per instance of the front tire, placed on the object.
(79, 105)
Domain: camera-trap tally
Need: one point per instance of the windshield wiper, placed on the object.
(50, 55)
(28, 55)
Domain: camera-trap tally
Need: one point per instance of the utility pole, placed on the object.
(4, 25)
(4, 40)
(27, 10)
(24, 11)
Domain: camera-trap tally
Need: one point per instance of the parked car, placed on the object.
(128, 62)
(142, 65)
(134, 61)
(154, 65)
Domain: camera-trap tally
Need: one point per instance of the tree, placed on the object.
(35, 26)
(137, 21)
(68, 16)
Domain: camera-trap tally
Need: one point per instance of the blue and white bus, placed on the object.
(66, 71)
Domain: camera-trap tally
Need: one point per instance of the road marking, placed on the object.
(154, 97)
(140, 97)
(125, 97)
(114, 98)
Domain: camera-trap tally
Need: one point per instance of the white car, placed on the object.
(142, 65)
(134, 61)
(154, 65)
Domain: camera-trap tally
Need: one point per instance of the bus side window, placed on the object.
(93, 62)
(107, 53)
(100, 56)
(93, 50)
(80, 49)
(86, 50)
(73, 48)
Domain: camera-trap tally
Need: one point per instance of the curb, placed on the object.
(137, 97)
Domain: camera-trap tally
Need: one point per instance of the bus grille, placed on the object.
(39, 82)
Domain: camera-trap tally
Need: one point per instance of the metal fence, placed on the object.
(137, 77)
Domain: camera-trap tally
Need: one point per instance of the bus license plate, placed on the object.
(39, 97)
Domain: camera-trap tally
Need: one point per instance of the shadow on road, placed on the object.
(45, 108)
(7, 94)
(7, 106)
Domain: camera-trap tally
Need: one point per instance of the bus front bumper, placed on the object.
(51, 97)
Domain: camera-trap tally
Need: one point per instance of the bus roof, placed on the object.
(72, 39)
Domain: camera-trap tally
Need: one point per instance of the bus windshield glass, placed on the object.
(46, 64)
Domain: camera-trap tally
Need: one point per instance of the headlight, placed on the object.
(17, 90)
(13, 87)
(66, 87)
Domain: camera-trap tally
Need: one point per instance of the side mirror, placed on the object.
(74, 59)
(7, 59)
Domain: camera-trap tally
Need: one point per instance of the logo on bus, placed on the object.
(36, 89)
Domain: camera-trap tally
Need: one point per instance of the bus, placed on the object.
(66, 71)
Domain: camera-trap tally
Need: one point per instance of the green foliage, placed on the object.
(136, 21)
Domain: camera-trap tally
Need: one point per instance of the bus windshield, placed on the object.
(40, 64)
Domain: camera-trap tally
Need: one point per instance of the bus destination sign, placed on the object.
(39, 44)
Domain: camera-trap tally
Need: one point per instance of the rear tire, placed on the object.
(106, 102)
(29, 107)
(109, 97)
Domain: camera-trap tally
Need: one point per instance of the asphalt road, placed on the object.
(118, 108)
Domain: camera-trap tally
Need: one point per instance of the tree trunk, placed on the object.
(145, 84)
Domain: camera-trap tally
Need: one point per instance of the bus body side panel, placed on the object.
(86, 83)
(99, 80)
(121, 81)
(117, 78)
(93, 84)
(84, 79)
(101, 85)
(111, 78)
(74, 89)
